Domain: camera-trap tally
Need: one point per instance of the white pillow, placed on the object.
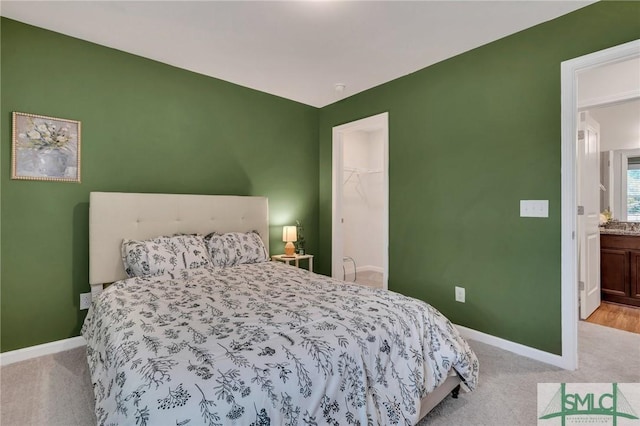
(163, 255)
(236, 248)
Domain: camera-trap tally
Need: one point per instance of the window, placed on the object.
(633, 189)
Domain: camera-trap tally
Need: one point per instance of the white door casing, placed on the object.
(379, 121)
(588, 183)
(569, 254)
(337, 195)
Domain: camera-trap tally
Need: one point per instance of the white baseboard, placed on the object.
(516, 348)
(40, 350)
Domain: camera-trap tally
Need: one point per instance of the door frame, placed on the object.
(569, 260)
(378, 121)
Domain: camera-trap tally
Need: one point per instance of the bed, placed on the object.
(252, 344)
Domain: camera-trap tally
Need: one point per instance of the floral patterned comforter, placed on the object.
(265, 344)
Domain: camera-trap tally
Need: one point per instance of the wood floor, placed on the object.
(622, 317)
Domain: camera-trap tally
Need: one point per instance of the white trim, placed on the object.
(380, 121)
(507, 345)
(569, 281)
(30, 352)
(336, 203)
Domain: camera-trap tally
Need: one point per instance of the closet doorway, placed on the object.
(360, 201)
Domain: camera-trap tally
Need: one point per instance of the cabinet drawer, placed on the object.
(628, 242)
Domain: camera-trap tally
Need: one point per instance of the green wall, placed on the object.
(468, 138)
(146, 127)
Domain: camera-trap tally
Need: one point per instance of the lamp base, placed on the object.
(289, 249)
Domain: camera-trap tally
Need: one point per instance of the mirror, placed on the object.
(620, 180)
(632, 188)
(619, 158)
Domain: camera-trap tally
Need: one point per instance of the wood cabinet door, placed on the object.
(634, 257)
(614, 270)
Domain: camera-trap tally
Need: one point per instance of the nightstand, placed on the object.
(296, 258)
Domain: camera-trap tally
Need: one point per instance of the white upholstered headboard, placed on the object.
(114, 216)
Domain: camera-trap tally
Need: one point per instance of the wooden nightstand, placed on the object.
(296, 258)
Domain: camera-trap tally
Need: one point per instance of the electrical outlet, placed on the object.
(85, 301)
(460, 294)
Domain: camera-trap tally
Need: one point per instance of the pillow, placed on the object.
(236, 248)
(162, 255)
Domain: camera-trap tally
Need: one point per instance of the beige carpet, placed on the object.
(56, 389)
(49, 390)
(507, 391)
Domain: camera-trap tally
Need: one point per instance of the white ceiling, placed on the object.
(297, 49)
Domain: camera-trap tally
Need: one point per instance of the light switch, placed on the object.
(534, 208)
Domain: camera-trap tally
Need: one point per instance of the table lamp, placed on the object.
(289, 235)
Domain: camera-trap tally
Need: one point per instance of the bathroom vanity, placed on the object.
(620, 263)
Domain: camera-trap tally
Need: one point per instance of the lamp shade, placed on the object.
(289, 234)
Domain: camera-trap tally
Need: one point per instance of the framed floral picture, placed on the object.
(45, 148)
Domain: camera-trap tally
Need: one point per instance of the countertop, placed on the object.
(604, 231)
(621, 228)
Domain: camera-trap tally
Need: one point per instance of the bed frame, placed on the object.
(114, 216)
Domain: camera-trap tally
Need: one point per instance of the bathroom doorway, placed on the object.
(615, 183)
(571, 70)
(361, 201)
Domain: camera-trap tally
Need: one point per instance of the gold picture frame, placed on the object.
(45, 148)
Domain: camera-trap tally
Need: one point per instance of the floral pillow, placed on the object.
(236, 248)
(164, 255)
